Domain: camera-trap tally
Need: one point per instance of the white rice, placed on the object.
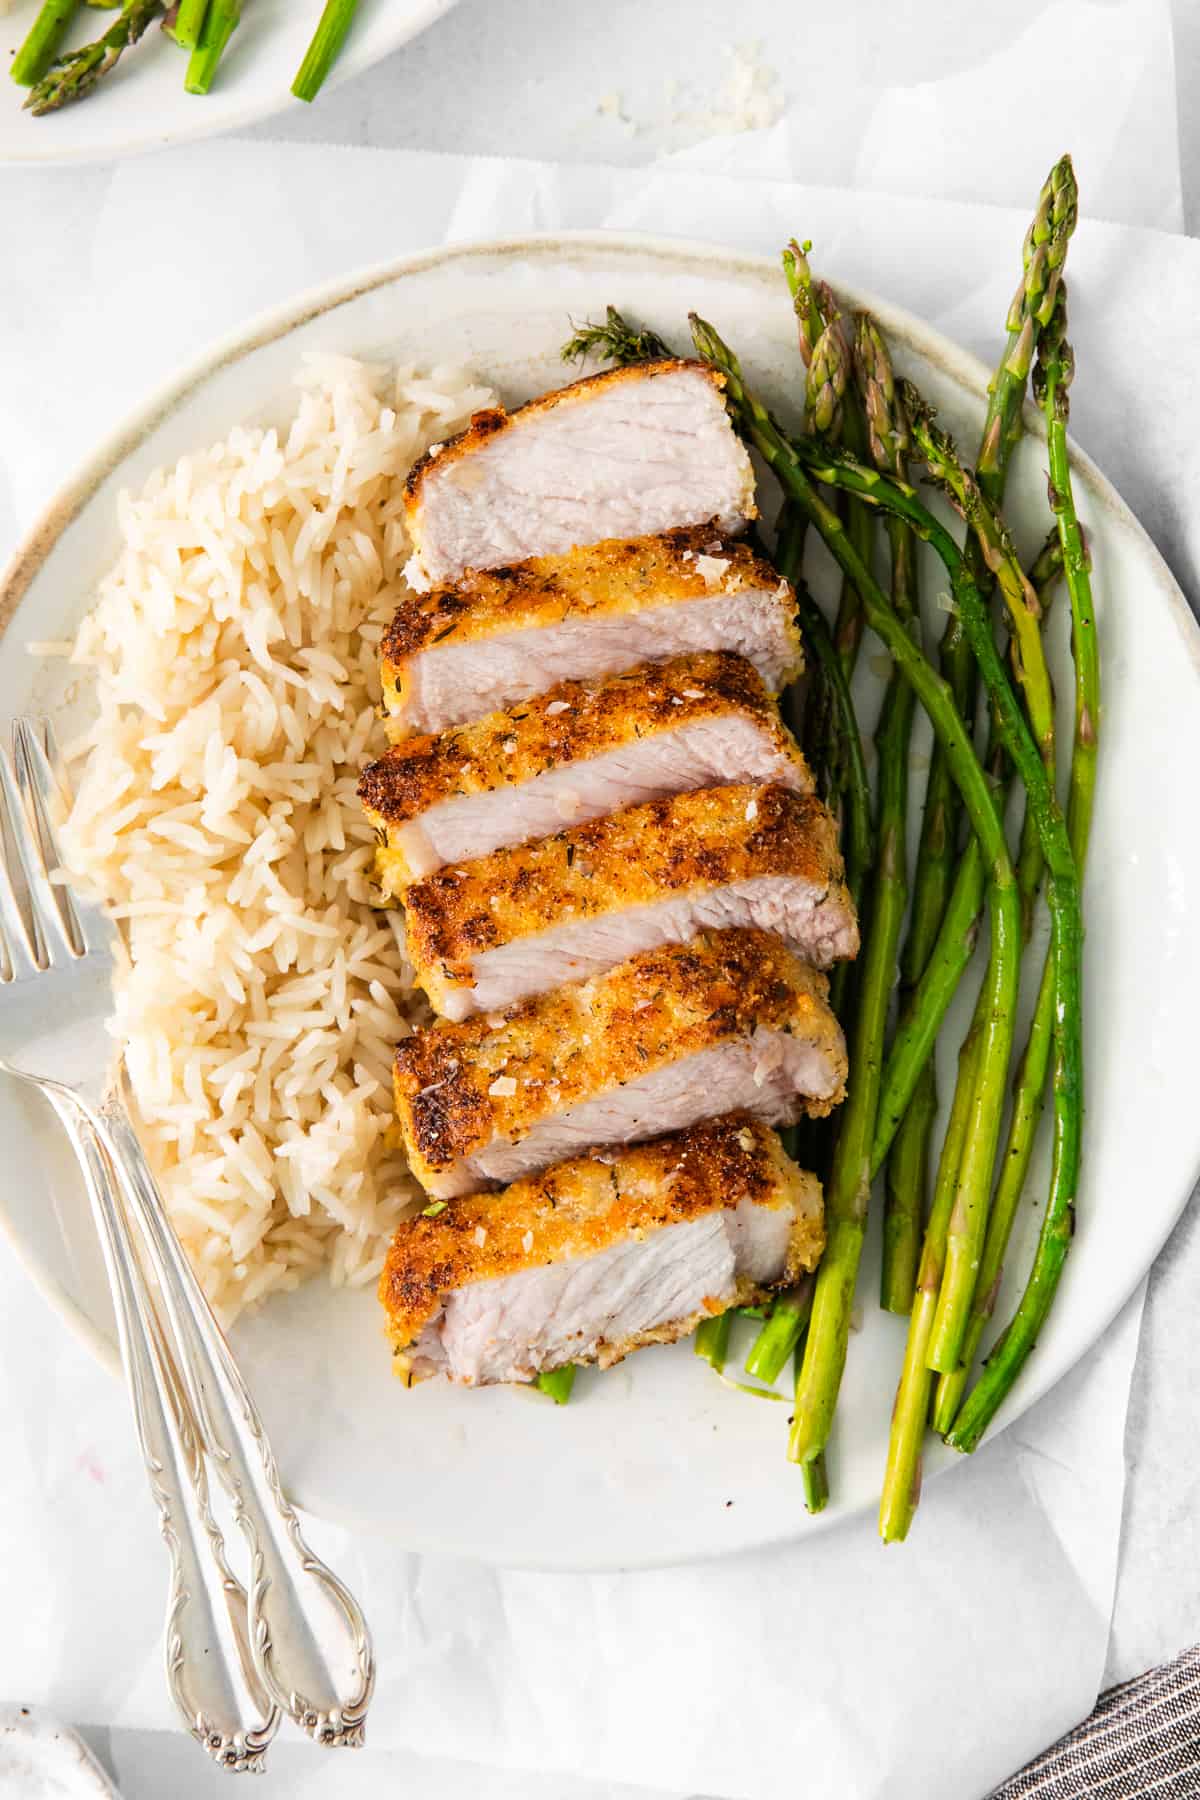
(235, 649)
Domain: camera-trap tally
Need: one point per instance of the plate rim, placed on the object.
(275, 323)
(351, 64)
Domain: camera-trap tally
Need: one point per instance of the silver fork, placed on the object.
(306, 1640)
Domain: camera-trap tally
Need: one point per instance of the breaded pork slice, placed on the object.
(597, 1256)
(499, 637)
(483, 935)
(623, 454)
(636, 1051)
(577, 752)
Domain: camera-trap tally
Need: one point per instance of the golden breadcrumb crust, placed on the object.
(581, 1207)
(642, 855)
(618, 575)
(460, 1086)
(570, 723)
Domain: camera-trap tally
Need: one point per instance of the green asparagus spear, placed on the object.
(72, 76)
(1052, 382)
(906, 1184)
(325, 48)
(711, 1340)
(902, 1475)
(825, 390)
(827, 387)
(812, 301)
(1043, 255)
(41, 43)
(781, 1333)
(557, 1383)
(817, 312)
(220, 22)
(887, 434)
(189, 23)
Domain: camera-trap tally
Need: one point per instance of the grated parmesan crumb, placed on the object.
(503, 1087)
(711, 569)
(480, 1236)
(527, 1242)
(557, 706)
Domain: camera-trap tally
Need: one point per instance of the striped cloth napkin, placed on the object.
(1143, 1739)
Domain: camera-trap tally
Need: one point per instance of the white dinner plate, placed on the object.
(43, 1760)
(142, 105)
(656, 1461)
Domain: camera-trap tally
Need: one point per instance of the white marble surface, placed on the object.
(527, 77)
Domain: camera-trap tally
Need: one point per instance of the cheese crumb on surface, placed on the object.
(745, 95)
(527, 1242)
(557, 706)
(693, 693)
(480, 1236)
(503, 1087)
(711, 569)
(752, 809)
(749, 98)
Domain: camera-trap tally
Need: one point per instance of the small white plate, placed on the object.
(656, 1461)
(43, 1760)
(142, 105)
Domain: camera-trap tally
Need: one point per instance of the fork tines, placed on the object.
(39, 923)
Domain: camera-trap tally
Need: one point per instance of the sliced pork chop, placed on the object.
(486, 934)
(598, 1256)
(636, 1051)
(496, 638)
(575, 753)
(623, 454)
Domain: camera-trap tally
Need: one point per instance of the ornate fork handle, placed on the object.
(308, 1637)
(210, 1668)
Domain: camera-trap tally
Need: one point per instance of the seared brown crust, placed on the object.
(484, 425)
(581, 1207)
(644, 854)
(618, 575)
(570, 723)
(453, 1081)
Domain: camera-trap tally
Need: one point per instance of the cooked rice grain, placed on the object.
(234, 648)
